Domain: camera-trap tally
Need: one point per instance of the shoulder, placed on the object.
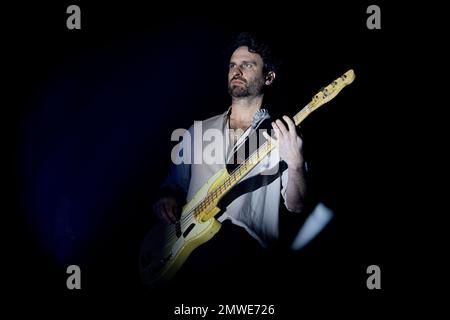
(212, 122)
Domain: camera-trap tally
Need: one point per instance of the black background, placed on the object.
(91, 115)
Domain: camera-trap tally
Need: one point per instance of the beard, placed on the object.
(251, 88)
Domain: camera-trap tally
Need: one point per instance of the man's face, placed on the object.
(245, 75)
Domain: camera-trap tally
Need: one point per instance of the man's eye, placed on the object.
(232, 66)
(248, 65)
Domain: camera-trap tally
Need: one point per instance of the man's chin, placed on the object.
(238, 92)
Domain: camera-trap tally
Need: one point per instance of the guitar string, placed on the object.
(186, 217)
(266, 147)
(182, 222)
(306, 109)
(213, 193)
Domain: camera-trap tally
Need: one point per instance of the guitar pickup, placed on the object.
(186, 232)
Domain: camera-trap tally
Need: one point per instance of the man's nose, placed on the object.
(237, 71)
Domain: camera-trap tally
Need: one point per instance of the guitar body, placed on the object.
(167, 246)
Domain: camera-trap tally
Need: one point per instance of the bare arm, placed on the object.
(296, 189)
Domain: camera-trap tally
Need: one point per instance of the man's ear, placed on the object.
(269, 78)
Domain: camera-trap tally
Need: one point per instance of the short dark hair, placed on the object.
(256, 45)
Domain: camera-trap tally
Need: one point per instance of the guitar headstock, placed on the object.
(330, 91)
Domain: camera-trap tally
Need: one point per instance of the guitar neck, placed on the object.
(322, 97)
